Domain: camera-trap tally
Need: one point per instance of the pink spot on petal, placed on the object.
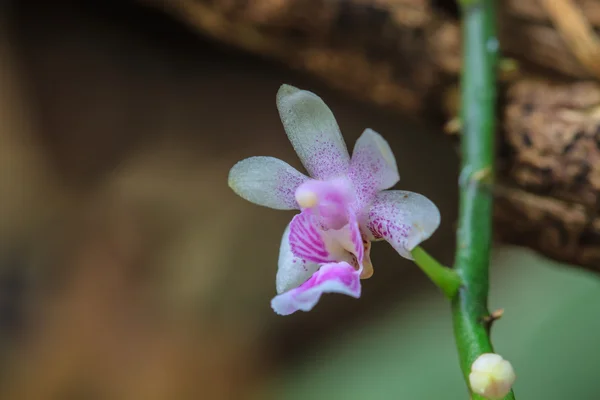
(388, 221)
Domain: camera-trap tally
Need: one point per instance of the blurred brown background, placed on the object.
(129, 270)
(405, 55)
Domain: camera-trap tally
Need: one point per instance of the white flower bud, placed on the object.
(491, 376)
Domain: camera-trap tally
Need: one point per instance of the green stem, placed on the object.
(478, 97)
(444, 278)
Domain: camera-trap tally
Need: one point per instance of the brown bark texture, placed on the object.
(404, 54)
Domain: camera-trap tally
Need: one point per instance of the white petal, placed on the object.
(404, 219)
(266, 181)
(291, 270)
(313, 131)
(373, 166)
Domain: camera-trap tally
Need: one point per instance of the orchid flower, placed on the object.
(343, 203)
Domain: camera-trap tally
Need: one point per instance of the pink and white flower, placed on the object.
(344, 204)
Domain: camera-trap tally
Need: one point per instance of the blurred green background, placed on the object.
(549, 332)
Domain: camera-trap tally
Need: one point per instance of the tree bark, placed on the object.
(405, 55)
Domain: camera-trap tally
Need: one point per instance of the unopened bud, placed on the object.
(491, 376)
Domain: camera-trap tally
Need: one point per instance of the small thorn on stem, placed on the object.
(480, 179)
(495, 315)
(453, 126)
(483, 175)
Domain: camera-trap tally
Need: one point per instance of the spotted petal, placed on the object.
(313, 131)
(292, 271)
(330, 278)
(266, 181)
(404, 219)
(373, 166)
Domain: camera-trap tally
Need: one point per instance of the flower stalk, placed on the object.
(474, 235)
(443, 277)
